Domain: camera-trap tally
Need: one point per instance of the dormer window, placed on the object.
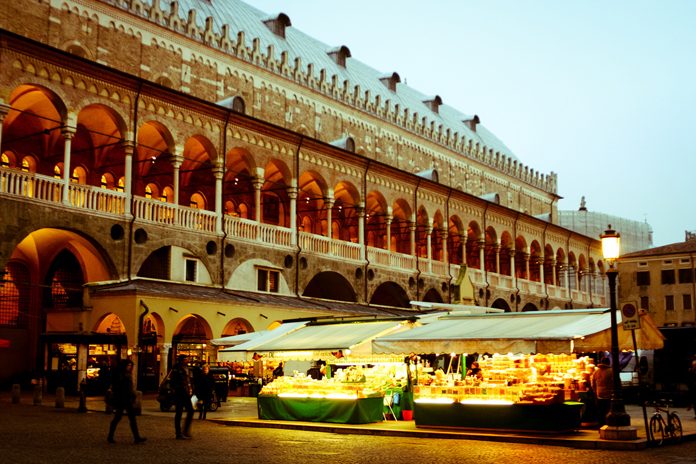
(339, 55)
(433, 103)
(471, 123)
(390, 81)
(278, 24)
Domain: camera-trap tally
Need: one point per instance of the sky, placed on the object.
(603, 93)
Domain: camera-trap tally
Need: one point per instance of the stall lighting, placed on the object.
(434, 400)
(481, 401)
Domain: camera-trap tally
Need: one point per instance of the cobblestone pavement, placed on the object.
(45, 434)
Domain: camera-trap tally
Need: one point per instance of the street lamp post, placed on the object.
(611, 247)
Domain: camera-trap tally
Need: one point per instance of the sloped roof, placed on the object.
(240, 16)
(688, 246)
(218, 295)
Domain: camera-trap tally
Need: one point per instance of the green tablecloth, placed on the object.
(359, 411)
(529, 417)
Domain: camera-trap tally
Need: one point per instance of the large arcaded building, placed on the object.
(176, 171)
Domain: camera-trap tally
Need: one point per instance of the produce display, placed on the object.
(509, 379)
(352, 382)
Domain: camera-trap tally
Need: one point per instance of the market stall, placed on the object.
(533, 385)
(355, 383)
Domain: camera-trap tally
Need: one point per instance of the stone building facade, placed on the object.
(172, 175)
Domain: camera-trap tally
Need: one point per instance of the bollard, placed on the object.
(83, 397)
(138, 403)
(16, 393)
(38, 394)
(60, 397)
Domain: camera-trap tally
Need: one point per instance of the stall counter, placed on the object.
(339, 411)
(562, 417)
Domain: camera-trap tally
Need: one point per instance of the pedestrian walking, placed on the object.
(181, 384)
(123, 398)
(205, 384)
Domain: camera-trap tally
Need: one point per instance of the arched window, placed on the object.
(63, 284)
(14, 295)
(167, 194)
(58, 171)
(79, 175)
(197, 201)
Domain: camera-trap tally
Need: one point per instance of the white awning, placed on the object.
(233, 340)
(558, 331)
(320, 340)
(239, 352)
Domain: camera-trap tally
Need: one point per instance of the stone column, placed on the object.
(482, 254)
(258, 185)
(218, 172)
(462, 239)
(444, 236)
(292, 194)
(129, 149)
(164, 356)
(429, 248)
(526, 266)
(388, 221)
(68, 133)
(328, 204)
(513, 273)
(177, 161)
(497, 258)
(412, 228)
(360, 211)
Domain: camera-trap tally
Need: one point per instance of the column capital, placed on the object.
(68, 132)
(292, 192)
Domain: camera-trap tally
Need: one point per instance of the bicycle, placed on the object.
(667, 427)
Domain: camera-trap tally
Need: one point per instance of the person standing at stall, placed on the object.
(181, 384)
(123, 399)
(204, 390)
(603, 386)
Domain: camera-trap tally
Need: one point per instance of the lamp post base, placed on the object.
(609, 432)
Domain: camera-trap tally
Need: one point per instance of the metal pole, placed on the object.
(617, 416)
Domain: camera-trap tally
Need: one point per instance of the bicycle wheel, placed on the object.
(657, 429)
(675, 427)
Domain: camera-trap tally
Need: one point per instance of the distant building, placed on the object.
(635, 235)
(661, 281)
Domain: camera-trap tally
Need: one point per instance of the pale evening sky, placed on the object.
(602, 93)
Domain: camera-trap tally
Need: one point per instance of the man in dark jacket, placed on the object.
(180, 382)
(123, 394)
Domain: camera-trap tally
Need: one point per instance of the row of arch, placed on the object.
(39, 136)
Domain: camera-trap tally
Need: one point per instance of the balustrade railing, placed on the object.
(390, 259)
(30, 185)
(252, 231)
(160, 212)
(97, 199)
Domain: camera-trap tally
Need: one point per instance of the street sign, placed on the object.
(630, 317)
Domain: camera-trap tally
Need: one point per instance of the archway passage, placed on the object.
(191, 337)
(432, 296)
(501, 304)
(331, 286)
(529, 307)
(390, 294)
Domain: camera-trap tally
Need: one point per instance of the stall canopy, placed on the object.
(556, 331)
(233, 340)
(320, 340)
(243, 351)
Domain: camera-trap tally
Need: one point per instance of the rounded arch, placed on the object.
(344, 213)
(109, 323)
(500, 303)
(436, 244)
(521, 257)
(455, 231)
(376, 212)
(491, 249)
(274, 198)
(507, 245)
(549, 264)
(473, 237)
(432, 296)
(237, 326)
(535, 261)
(390, 294)
(197, 172)
(530, 307)
(311, 202)
(423, 226)
(33, 126)
(330, 285)
(152, 164)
